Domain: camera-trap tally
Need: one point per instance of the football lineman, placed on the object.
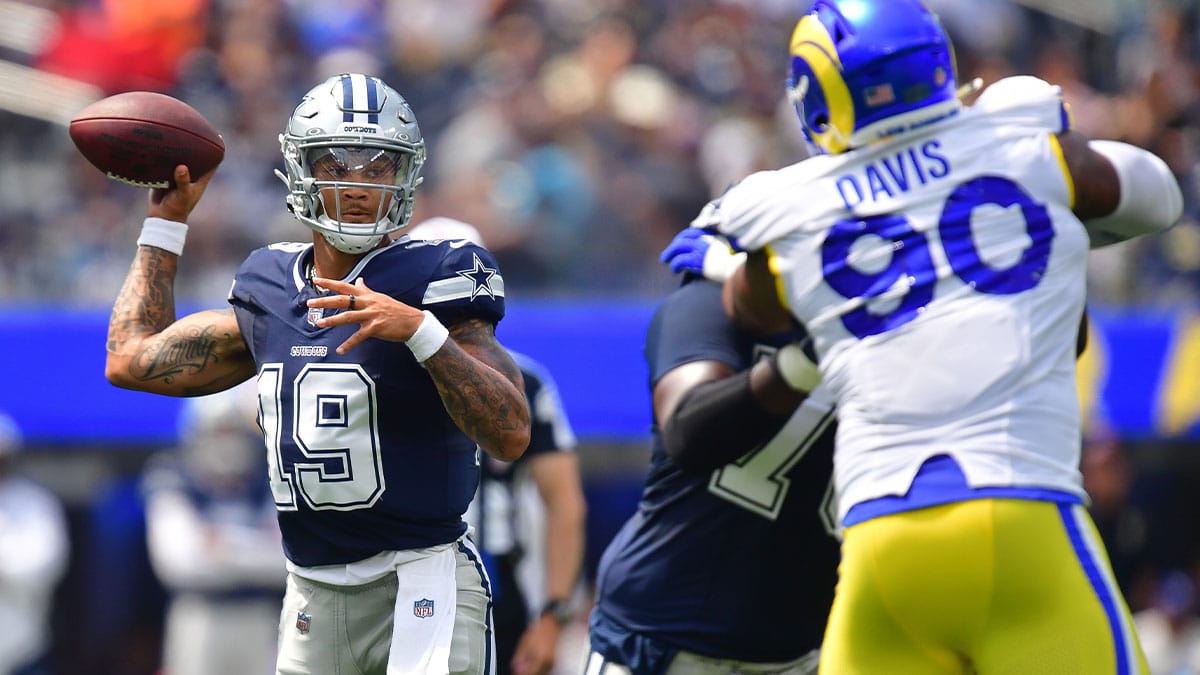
(729, 563)
(379, 378)
(936, 253)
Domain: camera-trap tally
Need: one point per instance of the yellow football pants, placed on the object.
(988, 586)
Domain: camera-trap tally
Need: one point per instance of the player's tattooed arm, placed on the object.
(482, 389)
(149, 350)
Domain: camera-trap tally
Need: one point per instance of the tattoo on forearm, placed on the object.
(164, 361)
(478, 399)
(146, 302)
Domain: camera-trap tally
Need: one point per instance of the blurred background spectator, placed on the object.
(33, 558)
(214, 541)
(579, 136)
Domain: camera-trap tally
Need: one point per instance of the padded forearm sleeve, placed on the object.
(718, 422)
(1151, 200)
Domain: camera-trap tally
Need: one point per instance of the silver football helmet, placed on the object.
(352, 124)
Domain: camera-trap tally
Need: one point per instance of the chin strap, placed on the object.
(339, 241)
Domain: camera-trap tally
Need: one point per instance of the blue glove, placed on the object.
(685, 253)
(696, 251)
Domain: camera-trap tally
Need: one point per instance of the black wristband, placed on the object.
(717, 422)
(559, 610)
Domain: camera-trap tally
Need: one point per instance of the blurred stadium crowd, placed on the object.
(579, 136)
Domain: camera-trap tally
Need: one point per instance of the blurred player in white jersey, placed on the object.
(34, 552)
(214, 541)
(936, 254)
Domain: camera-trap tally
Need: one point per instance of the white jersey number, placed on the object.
(334, 423)
(758, 481)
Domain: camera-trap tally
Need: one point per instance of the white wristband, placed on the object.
(428, 338)
(797, 369)
(720, 260)
(168, 235)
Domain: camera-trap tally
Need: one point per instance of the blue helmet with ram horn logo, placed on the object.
(863, 70)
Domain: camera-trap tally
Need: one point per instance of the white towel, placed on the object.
(425, 605)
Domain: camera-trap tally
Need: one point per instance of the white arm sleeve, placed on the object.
(1150, 197)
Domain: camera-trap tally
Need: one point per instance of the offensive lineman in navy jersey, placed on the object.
(728, 565)
(372, 446)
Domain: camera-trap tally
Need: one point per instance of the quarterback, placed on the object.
(379, 378)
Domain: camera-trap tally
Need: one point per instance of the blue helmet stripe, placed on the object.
(347, 99)
(372, 101)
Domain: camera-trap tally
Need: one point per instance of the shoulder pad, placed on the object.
(1028, 97)
(1016, 91)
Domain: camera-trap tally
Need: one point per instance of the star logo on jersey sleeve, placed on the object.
(480, 277)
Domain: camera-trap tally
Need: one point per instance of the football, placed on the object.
(139, 137)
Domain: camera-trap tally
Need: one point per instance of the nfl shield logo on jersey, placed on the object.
(302, 622)
(423, 608)
(314, 314)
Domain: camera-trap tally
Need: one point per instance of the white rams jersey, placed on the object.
(941, 274)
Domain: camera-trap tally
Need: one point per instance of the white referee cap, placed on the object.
(445, 228)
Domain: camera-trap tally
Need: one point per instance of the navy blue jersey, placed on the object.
(738, 563)
(363, 456)
(549, 428)
(497, 506)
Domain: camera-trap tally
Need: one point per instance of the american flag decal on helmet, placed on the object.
(360, 99)
(423, 608)
(881, 94)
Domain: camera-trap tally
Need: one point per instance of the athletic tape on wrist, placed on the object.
(720, 261)
(797, 369)
(428, 338)
(169, 235)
